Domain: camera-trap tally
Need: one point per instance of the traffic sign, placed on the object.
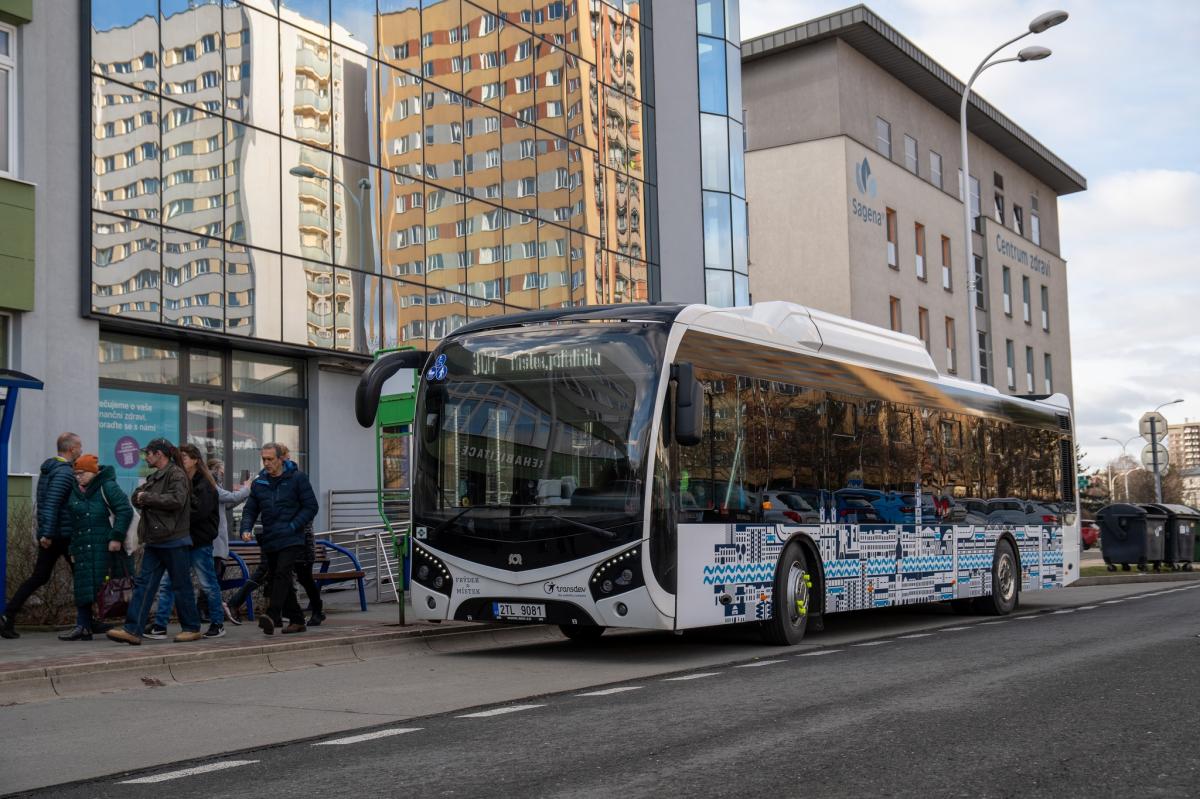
(1160, 426)
(1148, 456)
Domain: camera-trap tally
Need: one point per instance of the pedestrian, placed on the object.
(204, 525)
(304, 566)
(100, 514)
(54, 486)
(283, 497)
(228, 501)
(165, 502)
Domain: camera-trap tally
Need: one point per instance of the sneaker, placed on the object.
(156, 632)
(316, 618)
(234, 618)
(266, 624)
(294, 628)
(6, 627)
(123, 636)
(76, 634)
(187, 636)
(214, 631)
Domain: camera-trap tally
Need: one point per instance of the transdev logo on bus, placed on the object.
(863, 179)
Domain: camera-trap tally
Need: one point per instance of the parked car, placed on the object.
(854, 506)
(1018, 511)
(1089, 533)
(897, 508)
(788, 507)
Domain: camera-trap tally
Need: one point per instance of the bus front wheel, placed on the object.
(581, 632)
(1006, 583)
(791, 599)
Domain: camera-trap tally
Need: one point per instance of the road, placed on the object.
(1095, 699)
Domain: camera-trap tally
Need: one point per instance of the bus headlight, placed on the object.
(618, 574)
(429, 571)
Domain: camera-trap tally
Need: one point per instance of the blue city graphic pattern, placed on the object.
(877, 565)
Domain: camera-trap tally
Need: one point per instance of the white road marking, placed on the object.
(367, 736)
(692, 676)
(1086, 607)
(954, 629)
(873, 643)
(499, 711)
(1112, 601)
(918, 635)
(990, 623)
(1060, 612)
(1024, 618)
(818, 654)
(758, 663)
(187, 772)
(611, 691)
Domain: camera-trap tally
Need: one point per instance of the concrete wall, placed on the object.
(799, 246)
(677, 143)
(341, 454)
(793, 97)
(52, 342)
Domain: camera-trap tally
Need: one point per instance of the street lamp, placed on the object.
(1124, 455)
(1039, 24)
(302, 171)
(1154, 450)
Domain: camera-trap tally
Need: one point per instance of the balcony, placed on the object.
(312, 99)
(309, 61)
(317, 189)
(314, 220)
(314, 253)
(312, 135)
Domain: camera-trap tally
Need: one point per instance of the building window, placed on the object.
(1029, 370)
(951, 348)
(1010, 355)
(1048, 377)
(883, 137)
(1046, 309)
(923, 327)
(975, 205)
(935, 169)
(984, 376)
(8, 100)
(919, 237)
(891, 239)
(1000, 208)
(1035, 224)
(910, 155)
(894, 312)
(947, 281)
(1028, 314)
(1007, 276)
(980, 295)
(1018, 220)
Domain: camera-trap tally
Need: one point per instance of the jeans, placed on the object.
(83, 616)
(202, 564)
(282, 595)
(176, 562)
(43, 568)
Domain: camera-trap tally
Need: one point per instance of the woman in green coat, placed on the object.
(99, 513)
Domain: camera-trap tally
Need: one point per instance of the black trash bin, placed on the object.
(1131, 534)
(1180, 543)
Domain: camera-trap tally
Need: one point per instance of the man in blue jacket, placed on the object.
(284, 498)
(54, 536)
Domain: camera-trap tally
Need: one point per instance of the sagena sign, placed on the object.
(866, 187)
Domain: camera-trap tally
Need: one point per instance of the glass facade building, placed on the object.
(356, 174)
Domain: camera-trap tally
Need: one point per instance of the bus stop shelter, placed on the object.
(11, 382)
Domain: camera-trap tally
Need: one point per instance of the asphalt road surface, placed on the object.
(1094, 700)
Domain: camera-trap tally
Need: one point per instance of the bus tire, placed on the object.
(1006, 582)
(582, 632)
(791, 599)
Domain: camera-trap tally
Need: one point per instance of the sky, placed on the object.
(1119, 100)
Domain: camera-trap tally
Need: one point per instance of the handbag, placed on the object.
(131, 533)
(114, 596)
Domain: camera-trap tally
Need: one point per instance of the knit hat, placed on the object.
(87, 463)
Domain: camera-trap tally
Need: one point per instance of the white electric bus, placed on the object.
(678, 466)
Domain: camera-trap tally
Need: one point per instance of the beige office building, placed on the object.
(1183, 444)
(853, 181)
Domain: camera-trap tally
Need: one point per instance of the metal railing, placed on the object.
(358, 507)
(372, 547)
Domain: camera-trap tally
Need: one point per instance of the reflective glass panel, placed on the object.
(255, 425)
(125, 41)
(740, 235)
(125, 268)
(192, 281)
(441, 43)
(399, 31)
(252, 292)
(718, 247)
(402, 209)
(192, 67)
(306, 87)
(307, 201)
(138, 359)
(718, 288)
(733, 80)
(125, 142)
(356, 312)
(444, 249)
(714, 152)
(274, 375)
(403, 314)
(192, 161)
(737, 160)
(206, 368)
(310, 15)
(481, 55)
(311, 294)
(354, 25)
(206, 427)
(251, 67)
(712, 76)
(251, 175)
(353, 102)
(443, 136)
(353, 216)
(710, 17)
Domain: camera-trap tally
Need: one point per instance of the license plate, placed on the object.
(516, 610)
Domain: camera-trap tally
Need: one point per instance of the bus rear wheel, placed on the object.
(790, 599)
(582, 632)
(1006, 579)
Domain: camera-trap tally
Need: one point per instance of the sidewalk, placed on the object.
(38, 666)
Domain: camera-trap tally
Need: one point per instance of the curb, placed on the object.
(1138, 577)
(40, 683)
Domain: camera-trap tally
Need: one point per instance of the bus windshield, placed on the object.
(532, 442)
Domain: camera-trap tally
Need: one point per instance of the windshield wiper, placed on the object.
(609, 534)
(460, 514)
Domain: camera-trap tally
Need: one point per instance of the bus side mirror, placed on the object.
(689, 406)
(370, 385)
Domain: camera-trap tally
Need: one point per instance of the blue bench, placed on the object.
(245, 558)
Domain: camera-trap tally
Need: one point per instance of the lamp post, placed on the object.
(1154, 449)
(1039, 24)
(302, 171)
(1124, 455)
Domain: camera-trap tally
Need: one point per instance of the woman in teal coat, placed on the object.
(99, 513)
